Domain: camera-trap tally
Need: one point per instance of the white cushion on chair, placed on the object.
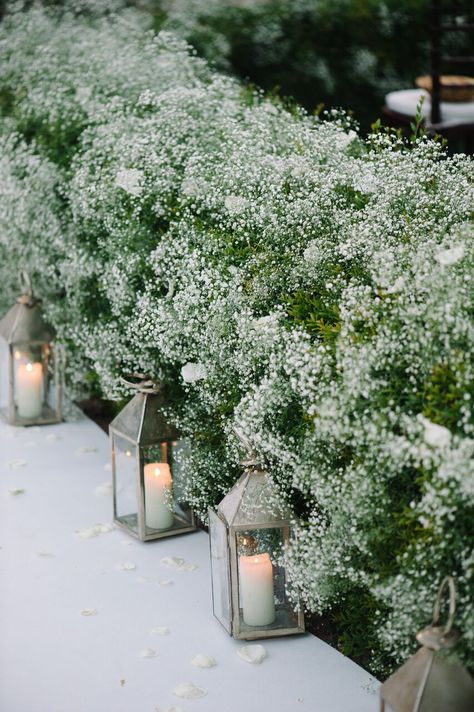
(452, 113)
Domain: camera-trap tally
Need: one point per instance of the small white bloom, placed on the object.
(191, 372)
(129, 179)
(435, 435)
(451, 256)
(262, 322)
(235, 204)
(397, 286)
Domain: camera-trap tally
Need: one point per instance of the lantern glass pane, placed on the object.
(164, 497)
(34, 391)
(4, 376)
(220, 570)
(125, 471)
(263, 603)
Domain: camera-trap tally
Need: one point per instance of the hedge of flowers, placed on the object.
(278, 274)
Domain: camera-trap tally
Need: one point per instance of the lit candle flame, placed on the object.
(29, 366)
(128, 453)
(157, 471)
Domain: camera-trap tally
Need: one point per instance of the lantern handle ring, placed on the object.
(25, 282)
(251, 458)
(448, 581)
(141, 383)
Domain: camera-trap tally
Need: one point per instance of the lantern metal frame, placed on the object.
(142, 424)
(24, 326)
(428, 681)
(246, 508)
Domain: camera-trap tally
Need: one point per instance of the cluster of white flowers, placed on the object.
(280, 275)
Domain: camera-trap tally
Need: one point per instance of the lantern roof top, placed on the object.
(143, 422)
(429, 681)
(24, 322)
(254, 500)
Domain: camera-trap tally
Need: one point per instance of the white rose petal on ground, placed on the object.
(16, 492)
(160, 630)
(189, 691)
(126, 566)
(148, 653)
(172, 708)
(253, 654)
(203, 661)
(85, 450)
(89, 612)
(94, 531)
(52, 437)
(166, 582)
(16, 464)
(104, 489)
(176, 562)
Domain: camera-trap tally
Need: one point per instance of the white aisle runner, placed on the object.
(55, 658)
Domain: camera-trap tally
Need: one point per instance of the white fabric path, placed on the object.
(55, 659)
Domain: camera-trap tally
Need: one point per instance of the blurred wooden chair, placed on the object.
(453, 119)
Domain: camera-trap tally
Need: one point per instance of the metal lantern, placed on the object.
(429, 681)
(147, 487)
(30, 365)
(247, 535)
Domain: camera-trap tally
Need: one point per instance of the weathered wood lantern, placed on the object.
(31, 373)
(248, 533)
(429, 681)
(148, 495)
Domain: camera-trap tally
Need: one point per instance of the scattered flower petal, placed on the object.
(85, 450)
(176, 562)
(89, 612)
(126, 566)
(171, 708)
(148, 653)
(253, 654)
(189, 691)
(160, 630)
(16, 492)
(52, 437)
(166, 582)
(94, 531)
(104, 489)
(16, 464)
(203, 661)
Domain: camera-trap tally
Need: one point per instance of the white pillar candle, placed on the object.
(158, 496)
(29, 390)
(256, 589)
